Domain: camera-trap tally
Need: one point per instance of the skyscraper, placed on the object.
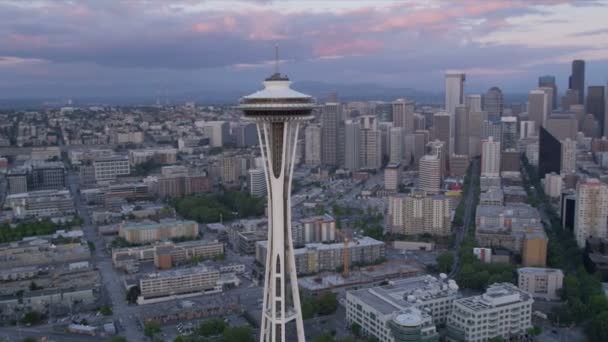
(537, 107)
(508, 131)
(591, 210)
(439, 149)
(577, 79)
(351, 145)
(490, 158)
(396, 138)
(473, 102)
(454, 96)
(278, 111)
(370, 153)
(549, 82)
(493, 103)
(548, 150)
(461, 120)
(596, 105)
(403, 115)
(331, 124)
(569, 98)
(312, 150)
(441, 128)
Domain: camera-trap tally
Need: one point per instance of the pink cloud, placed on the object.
(25, 40)
(224, 24)
(346, 48)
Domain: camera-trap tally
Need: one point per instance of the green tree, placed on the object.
(29, 339)
(324, 337)
(327, 303)
(132, 294)
(106, 310)
(238, 334)
(445, 261)
(535, 331)
(211, 327)
(355, 329)
(309, 307)
(151, 328)
(32, 317)
(597, 328)
(118, 339)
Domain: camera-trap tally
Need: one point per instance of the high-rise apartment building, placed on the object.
(312, 149)
(429, 169)
(490, 158)
(568, 157)
(493, 103)
(392, 176)
(419, 213)
(591, 211)
(461, 139)
(577, 79)
(548, 150)
(257, 182)
(370, 154)
(403, 115)
(548, 81)
(438, 147)
(352, 132)
(596, 105)
(526, 129)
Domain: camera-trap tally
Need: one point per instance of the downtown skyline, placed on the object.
(152, 48)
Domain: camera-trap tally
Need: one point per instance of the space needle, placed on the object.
(278, 112)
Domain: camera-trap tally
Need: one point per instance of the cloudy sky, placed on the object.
(142, 47)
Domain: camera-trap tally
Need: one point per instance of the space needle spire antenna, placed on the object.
(278, 111)
(276, 58)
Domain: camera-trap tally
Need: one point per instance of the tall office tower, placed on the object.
(577, 79)
(591, 210)
(257, 182)
(385, 139)
(454, 96)
(403, 114)
(596, 105)
(429, 169)
(331, 123)
(392, 176)
(419, 121)
(351, 145)
(549, 104)
(490, 158)
(475, 124)
(491, 129)
(568, 156)
(370, 153)
(441, 128)
(562, 126)
(493, 103)
(579, 113)
(312, 150)
(569, 98)
(548, 150)
(473, 102)
(438, 148)
(549, 82)
(461, 120)
(278, 111)
(537, 107)
(590, 126)
(526, 129)
(508, 131)
(397, 139)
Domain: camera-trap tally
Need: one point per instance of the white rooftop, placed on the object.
(276, 90)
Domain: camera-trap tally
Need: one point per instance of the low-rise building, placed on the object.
(108, 168)
(374, 309)
(503, 310)
(318, 257)
(149, 231)
(543, 283)
(40, 204)
(181, 282)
